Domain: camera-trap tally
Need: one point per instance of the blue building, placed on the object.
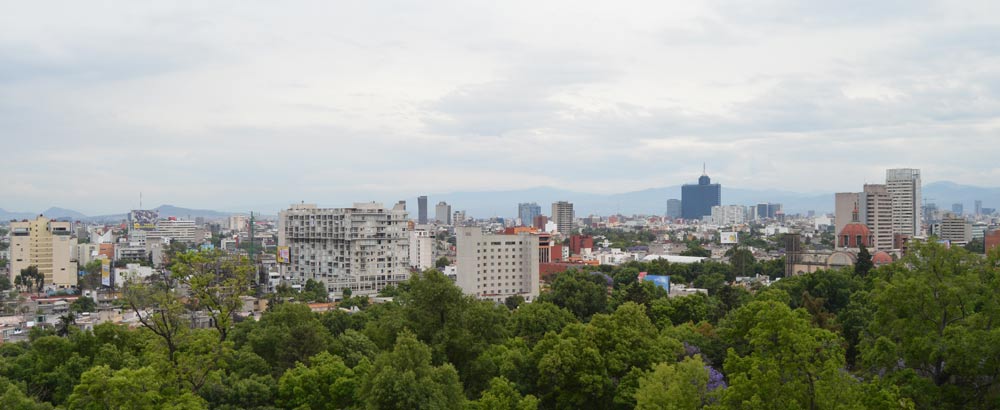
(527, 212)
(697, 200)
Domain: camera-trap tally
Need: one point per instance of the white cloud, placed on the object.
(226, 104)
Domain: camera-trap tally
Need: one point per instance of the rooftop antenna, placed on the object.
(140, 199)
(704, 169)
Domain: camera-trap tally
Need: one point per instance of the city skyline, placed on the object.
(202, 105)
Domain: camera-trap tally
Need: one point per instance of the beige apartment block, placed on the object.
(47, 245)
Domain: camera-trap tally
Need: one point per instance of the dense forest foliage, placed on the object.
(915, 334)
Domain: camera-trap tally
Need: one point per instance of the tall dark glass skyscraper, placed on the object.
(421, 210)
(697, 200)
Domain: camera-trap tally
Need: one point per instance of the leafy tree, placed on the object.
(30, 279)
(695, 249)
(13, 397)
(92, 278)
(83, 304)
(66, 324)
(864, 263)
(503, 395)
(5, 283)
(976, 246)
(713, 282)
(405, 378)
(158, 308)
(933, 329)
(680, 386)
(102, 388)
(572, 374)
(531, 321)
(513, 301)
(353, 347)
(442, 262)
(289, 334)
(627, 339)
(326, 383)
(581, 293)
(742, 260)
(691, 308)
(217, 283)
(314, 291)
(788, 363)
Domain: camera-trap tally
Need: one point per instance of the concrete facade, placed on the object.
(47, 245)
(494, 267)
(363, 248)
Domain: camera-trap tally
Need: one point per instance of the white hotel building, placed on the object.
(494, 267)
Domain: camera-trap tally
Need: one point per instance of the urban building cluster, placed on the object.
(363, 249)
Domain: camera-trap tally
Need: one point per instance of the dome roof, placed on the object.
(855, 229)
(881, 258)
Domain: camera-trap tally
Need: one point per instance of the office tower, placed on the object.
(422, 210)
(673, 208)
(421, 249)
(697, 200)
(458, 218)
(957, 209)
(363, 248)
(495, 267)
(979, 207)
(904, 191)
(562, 215)
(767, 210)
(47, 245)
(442, 212)
(877, 214)
(956, 229)
(845, 204)
(527, 212)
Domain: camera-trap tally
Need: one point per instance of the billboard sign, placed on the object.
(143, 220)
(284, 254)
(658, 280)
(106, 272)
(729, 238)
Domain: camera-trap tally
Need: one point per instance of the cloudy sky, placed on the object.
(228, 105)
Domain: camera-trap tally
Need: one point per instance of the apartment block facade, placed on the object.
(363, 248)
(47, 245)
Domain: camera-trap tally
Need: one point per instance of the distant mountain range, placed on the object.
(69, 214)
(648, 201)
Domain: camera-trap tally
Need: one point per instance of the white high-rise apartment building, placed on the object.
(903, 185)
(363, 248)
(876, 213)
(47, 245)
(494, 267)
(177, 230)
(729, 214)
(421, 249)
(562, 215)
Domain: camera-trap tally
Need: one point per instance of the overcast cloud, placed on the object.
(228, 105)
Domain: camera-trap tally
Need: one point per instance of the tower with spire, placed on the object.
(697, 200)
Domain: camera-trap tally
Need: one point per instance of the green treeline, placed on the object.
(919, 333)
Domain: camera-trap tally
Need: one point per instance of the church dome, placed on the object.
(881, 258)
